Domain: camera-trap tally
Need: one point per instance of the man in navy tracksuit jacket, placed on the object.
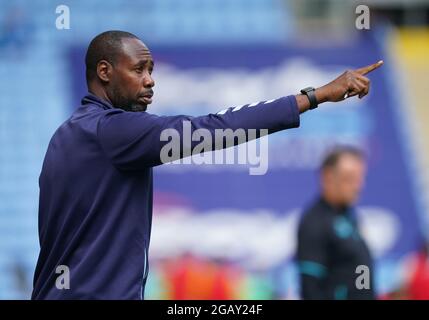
(95, 207)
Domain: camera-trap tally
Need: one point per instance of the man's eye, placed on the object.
(139, 70)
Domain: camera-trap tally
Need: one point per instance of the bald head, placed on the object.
(119, 69)
(105, 46)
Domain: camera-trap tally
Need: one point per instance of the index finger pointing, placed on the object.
(370, 68)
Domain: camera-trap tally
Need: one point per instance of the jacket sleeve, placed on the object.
(134, 140)
(312, 257)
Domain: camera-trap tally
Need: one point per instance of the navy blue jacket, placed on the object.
(95, 206)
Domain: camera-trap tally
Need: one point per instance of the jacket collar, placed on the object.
(343, 210)
(93, 99)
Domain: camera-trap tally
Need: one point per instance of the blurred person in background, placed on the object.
(330, 246)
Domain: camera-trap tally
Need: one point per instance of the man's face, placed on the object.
(131, 82)
(345, 181)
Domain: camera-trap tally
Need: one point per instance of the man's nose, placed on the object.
(148, 82)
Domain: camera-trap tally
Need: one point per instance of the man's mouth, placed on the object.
(147, 98)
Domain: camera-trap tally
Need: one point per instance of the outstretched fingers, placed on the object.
(370, 68)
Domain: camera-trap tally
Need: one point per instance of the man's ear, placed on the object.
(104, 70)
